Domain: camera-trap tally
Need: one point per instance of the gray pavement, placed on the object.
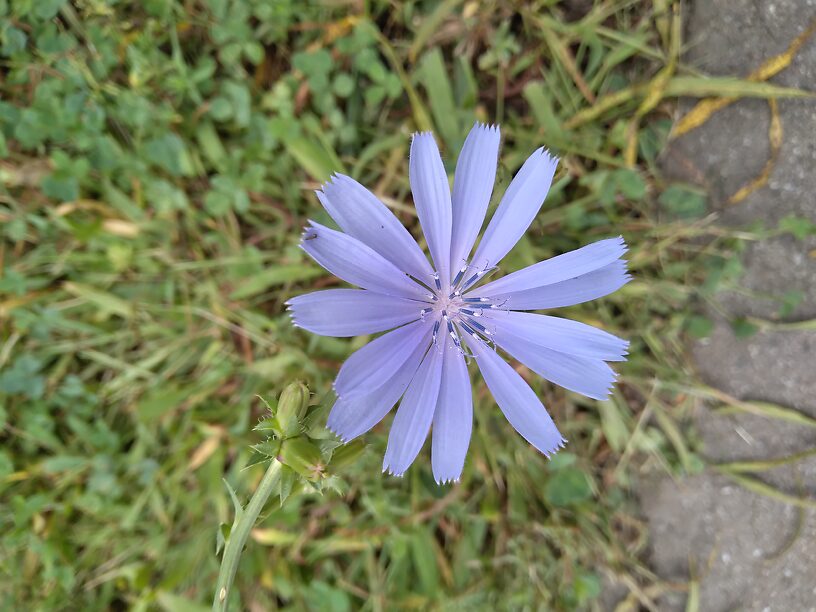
(748, 551)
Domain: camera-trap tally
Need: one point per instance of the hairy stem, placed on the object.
(239, 534)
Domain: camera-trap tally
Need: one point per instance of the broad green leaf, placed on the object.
(729, 87)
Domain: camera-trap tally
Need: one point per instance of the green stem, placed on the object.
(239, 534)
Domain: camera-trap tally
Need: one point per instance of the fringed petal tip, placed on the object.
(605, 397)
(553, 450)
(387, 470)
(334, 425)
(348, 395)
(552, 159)
(309, 232)
(622, 243)
(615, 380)
(447, 481)
(328, 183)
(622, 355)
(488, 127)
(334, 180)
(291, 312)
(626, 277)
(343, 438)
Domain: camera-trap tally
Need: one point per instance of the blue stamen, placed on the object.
(454, 336)
(469, 329)
(481, 328)
(478, 276)
(459, 276)
(471, 280)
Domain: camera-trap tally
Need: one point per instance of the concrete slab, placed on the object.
(749, 552)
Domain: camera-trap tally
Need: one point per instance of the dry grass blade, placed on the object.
(693, 601)
(782, 326)
(421, 116)
(690, 86)
(765, 464)
(757, 486)
(775, 136)
(655, 91)
(703, 110)
(794, 536)
(564, 55)
(429, 25)
(759, 408)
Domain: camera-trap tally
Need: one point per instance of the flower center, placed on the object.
(454, 314)
(447, 303)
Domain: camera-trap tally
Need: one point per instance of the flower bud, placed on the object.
(292, 406)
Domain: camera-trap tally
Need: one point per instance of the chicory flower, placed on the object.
(441, 315)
